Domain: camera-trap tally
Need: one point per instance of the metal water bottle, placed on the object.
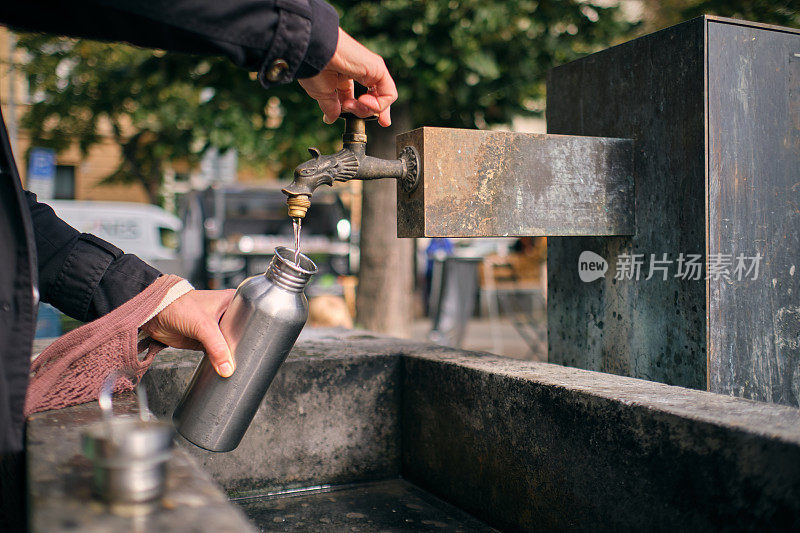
(261, 325)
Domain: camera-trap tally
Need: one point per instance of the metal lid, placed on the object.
(124, 440)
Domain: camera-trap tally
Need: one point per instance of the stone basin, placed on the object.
(324, 450)
(360, 432)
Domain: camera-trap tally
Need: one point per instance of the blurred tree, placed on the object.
(460, 64)
(159, 107)
(468, 63)
(474, 63)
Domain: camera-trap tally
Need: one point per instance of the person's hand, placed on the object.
(192, 321)
(333, 87)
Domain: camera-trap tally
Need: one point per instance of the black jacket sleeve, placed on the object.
(280, 39)
(80, 274)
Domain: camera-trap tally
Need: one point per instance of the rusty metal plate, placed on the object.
(477, 183)
(714, 107)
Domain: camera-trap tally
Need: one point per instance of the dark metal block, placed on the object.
(713, 106)
(649, 89)
(754, 207)
(475, 183)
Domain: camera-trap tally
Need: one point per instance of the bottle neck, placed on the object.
(285, 273)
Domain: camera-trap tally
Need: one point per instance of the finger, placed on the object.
(377, 105)
(347, 99)
(376, 100)
(350, 104)
(382, 90)
(385, 117)
(331, 108)
(345, 89)
(363, 110)
(323, 90)
(357, 108)
(216, 348)
(224, 301)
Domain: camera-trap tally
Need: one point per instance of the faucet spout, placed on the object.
(351, 162)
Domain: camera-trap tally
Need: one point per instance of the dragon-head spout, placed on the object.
(322, 170)
(351, 162)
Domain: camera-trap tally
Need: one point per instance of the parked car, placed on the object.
(142, 229)
(230, 233)
(145, 230)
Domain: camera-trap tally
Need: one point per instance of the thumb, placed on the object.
(331, 108)
(216, 348)
(323, 89)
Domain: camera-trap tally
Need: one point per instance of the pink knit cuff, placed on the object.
(175, 292)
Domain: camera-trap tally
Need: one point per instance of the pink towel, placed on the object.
(72, 369)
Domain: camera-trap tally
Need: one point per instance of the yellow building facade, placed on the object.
(83, 171)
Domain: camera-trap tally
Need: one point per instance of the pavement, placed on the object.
(498, 337)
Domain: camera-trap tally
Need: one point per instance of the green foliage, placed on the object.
(472, 63)
(159, 107)
(457, 63)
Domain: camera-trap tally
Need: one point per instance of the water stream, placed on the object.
(297, 224)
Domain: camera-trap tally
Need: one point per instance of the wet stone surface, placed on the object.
(60, 479)
(330, 416)
(394, 505)
(522, 446)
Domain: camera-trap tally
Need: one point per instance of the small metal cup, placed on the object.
(129, 454)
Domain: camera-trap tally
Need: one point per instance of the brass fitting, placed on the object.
(298, 205)
(355, 129)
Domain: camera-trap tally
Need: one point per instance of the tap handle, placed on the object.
(355, 128)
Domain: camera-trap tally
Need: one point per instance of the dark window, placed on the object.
(64, 188)
(169, 238)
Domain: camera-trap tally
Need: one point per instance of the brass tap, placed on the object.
(351, 162)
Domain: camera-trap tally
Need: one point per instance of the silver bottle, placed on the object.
(261, 325)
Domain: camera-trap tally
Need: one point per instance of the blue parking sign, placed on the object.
(41, 172)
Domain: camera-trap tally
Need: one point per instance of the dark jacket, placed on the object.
(86, 277)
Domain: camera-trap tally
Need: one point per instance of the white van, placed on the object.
(141, 229)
